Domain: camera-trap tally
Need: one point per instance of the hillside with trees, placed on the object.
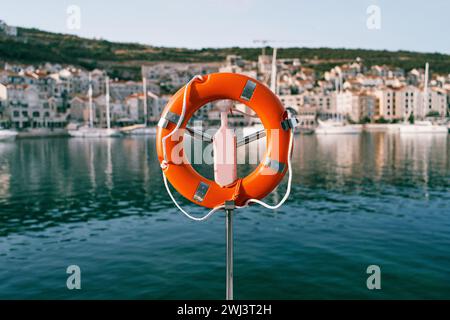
(123, 60)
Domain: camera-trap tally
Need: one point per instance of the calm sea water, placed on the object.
(100, 204)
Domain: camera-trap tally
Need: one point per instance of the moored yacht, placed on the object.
(90, 131)
(139, 130)
(7, 135)
(337, 127)
(87, 132)
(142, 129)
(423, 127)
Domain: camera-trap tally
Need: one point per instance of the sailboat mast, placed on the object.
(273, 80)
(108, 119)
(425, 90)
(91, 112)
(144, 87)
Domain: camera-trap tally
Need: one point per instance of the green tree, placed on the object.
(350, 120)
(381, 120)
(365, 120)
(434, 114)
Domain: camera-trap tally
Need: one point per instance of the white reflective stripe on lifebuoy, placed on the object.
(248, 91)
(274, 164)
(170, 117)
(201, 191)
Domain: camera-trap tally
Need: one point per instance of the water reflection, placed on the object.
(53, 181)
(344, 161)
(341, 153)
(48, 182)
(356, 200)
(5, 173)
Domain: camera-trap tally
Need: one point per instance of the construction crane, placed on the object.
(264, 43)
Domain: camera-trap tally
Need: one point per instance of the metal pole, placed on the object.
(229, 231)
(91, 111)
(144, 85)
(273, 76)
(108, 112)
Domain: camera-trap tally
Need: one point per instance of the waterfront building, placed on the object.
(387, 72)
(135, 106)
(172, 76)
(3, 104)
(50, 95)
(435, 103)
(389, 103)
(295, 101)
(29, 108)
(235, 64)
(122, 89)
(79, 109)
(369, 106)
(399, 103)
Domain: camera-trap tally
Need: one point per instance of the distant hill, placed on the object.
(123, 60)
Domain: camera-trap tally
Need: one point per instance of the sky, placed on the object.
(415, 25)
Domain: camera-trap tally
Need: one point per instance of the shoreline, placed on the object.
(368, 127)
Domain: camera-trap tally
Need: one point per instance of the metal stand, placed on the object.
(229, 209)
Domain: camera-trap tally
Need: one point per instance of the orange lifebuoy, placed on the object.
(268, 174)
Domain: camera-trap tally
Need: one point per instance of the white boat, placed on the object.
(7, 135)
(87, 132)
(422, 127)
(90, 131)
(381, 127)
(139, 130)
(304, 130)
(145, 131)
(142, 129)
(42, 133)
(337, 127)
